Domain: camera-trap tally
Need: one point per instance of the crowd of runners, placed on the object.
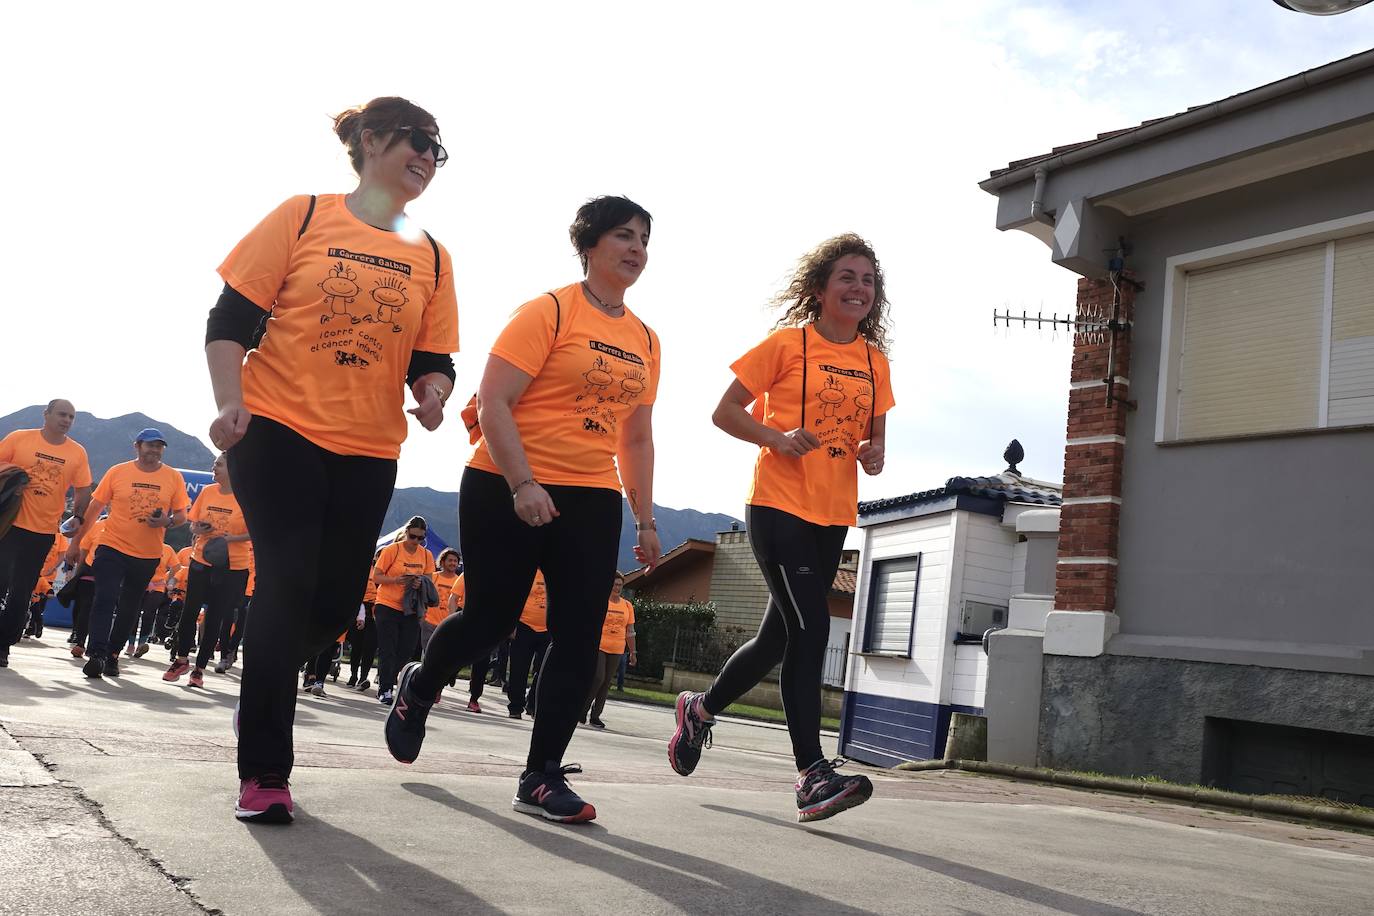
(332, 307)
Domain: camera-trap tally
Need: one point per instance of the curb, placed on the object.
(1216, 798)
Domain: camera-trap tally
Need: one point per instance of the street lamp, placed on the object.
(1321, 7)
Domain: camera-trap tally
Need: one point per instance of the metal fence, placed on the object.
(706, 651)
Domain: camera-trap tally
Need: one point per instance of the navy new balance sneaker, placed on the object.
(547, 794)
(405, 724)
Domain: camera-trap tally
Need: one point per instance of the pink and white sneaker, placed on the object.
(265, 799)
(822, 793)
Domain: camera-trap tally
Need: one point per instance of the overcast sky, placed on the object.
(145, 139)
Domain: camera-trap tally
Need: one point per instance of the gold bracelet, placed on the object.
(517, 487)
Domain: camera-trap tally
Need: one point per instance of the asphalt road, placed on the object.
(117, 797)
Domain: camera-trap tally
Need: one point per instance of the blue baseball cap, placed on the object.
(151, 435)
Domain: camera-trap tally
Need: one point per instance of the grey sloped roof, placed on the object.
(1006, 486)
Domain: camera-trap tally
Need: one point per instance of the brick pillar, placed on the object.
(1089, 523)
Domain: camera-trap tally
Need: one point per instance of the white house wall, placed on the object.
(970, 676)
(985, 553)
(918, 677)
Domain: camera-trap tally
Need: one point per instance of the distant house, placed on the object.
(1213, 611)
(683, 575)
(937, 569)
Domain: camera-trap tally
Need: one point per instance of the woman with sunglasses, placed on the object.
(332, 306)
(398, 568)
(565, 402)
(820, 389)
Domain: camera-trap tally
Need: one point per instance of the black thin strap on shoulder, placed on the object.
(647, 334)
(873, 382)
(803, 394)
(310, 211)
(557, 315)
(434, 245)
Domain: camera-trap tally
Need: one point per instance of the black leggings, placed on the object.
(577, 553)
(397, 636)
(220, 590)
(22, 553)
(526, 654)
(314, 517)
(799, 560)
(153, 603)
(240, 624)
(364, 643)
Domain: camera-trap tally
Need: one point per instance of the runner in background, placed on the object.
(357, 304)
(176, 606)
(820, 390)
(617, 633)
(54, 463)
(364, 639)
(444, 579)
(231, 632)
(565, 400)
(84, 590)
(528, 644)
(154, 604)
(398, 569)
(145, 498)
(53, 576)
(218, 574)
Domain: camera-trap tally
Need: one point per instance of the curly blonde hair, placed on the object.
(801, 297)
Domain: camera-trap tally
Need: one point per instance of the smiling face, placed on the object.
(221, 470)
(848, 294)
(390, 161)
(620, 255)
(451, 563)
(149, 453)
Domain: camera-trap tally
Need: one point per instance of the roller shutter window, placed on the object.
(1251, 353)
(1351, 391)
(892, 605)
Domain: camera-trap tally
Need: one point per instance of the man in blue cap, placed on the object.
(145, 498)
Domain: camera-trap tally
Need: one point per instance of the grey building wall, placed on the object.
(1259, 539)
(737, 587)
(1146, 716)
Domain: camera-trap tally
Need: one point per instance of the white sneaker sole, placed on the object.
(525, 807)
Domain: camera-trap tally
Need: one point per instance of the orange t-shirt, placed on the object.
(52, 469)
(252, 572)
(92, 540)
(370, 595)
(222, 511)
(349, 303)
(394, 561)
(165, 567)
(822, 487)
(133, 496)
(536, 612)
(444, 584)
(620, 614)
(55, 553)
(587, 378)
(182, 569)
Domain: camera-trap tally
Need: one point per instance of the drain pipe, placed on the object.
(1037, 208)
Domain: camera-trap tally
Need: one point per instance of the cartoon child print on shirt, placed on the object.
(842, 419)
(615, 380)
(45, 477)
(340, 290)
(390, 295)
(599, 376)
(144, 502)
(863, 403)
(831, 396)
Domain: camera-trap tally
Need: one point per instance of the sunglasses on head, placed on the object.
(422, 142)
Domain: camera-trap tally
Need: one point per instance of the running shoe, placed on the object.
(129, 650)
(233, 660)
(364, 684)
(317, 688)
(175, 670)
(94, 667)
(473, 707)
(405, 725)
(221, 666)
(265, 799)
(514, 714)
(596, 723)
(197, 679)
(352, 680)
(78, 650)
(822, 793)
(141, 651)
(547, 794)
(692, 735)
(386, 697)
(112, 666)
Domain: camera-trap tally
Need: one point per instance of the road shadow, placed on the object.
(689, 883)
(336, 871)
(23, 691)
(978, 877)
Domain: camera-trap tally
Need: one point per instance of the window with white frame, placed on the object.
(892, 605)
(1279, 343)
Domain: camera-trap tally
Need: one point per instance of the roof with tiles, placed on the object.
(1009, 485)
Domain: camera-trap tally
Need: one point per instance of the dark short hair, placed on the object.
(417, 521)
(600, 215)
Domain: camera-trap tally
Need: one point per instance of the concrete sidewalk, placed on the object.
(117, 797)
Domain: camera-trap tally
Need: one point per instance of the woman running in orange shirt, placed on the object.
(820, 390)
(356, 304)
(564, 402)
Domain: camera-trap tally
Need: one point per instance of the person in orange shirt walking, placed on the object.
(54, 464)
(356, 304)
(154, 602)
(563, 417)
(820, 389)
(218, 572)
(146, 497)
(84, 587)
(445, 578)
(529, 642)
(398, 568)
(617, 633)
(364, 639)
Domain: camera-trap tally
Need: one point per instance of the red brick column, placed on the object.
(1089, 523)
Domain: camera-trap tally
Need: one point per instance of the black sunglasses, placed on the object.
(415, 537)
(422, 142)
